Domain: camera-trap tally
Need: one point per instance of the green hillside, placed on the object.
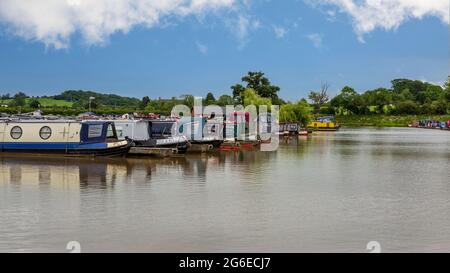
(45, 102)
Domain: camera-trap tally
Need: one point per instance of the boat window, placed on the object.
(45, 132)
(111, 133)
(95, 131)
(119, 130)
(16, 132)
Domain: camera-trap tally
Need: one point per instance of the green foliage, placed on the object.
(19, 99)
(110, 100)
(296, 112)
(349, 101)
(210, 99)
(225, 100)
(252, 98)
(34, 103)
(162, 106)
(145, 101)
(386, 120)
(259, 83)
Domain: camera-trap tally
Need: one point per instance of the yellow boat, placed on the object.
(324, 124)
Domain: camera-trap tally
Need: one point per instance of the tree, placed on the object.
(296, 112)
(7, 96)
(348, 100)
(379, 98)
(238, 91)
(225, 100)
(408, 107)
(35, 104)
(19, 99)
(210, 99)
(188, 100)
(93, 105)
(259, 83)
(321, 97)
(145, 101)
(252, 98)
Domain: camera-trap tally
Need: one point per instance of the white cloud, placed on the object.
(202, 48)
(53, 22)
(316, 39)
(241, 28)
(368, 15)
(280, 32)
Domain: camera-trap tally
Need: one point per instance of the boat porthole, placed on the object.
(45, 132)
(16, 132)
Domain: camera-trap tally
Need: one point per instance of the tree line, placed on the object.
(404, 97)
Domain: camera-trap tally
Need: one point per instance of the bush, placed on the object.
(406, 107)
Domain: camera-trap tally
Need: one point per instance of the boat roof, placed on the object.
(54, 121)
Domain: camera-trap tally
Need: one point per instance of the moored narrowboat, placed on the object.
(324, 124)
(151, 134)
(201, 131)
(68, 137)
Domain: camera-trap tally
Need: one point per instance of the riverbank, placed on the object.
(386, 121)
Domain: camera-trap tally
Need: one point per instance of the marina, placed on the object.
(133, 135)
(300, 198)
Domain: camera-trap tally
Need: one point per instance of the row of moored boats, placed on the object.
(432, 124)
(106, 136)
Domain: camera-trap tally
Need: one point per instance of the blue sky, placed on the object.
(298, 44)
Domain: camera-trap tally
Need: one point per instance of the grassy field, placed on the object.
(46, 102)
(385, 121)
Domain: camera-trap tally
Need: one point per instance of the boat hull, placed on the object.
(105, 152)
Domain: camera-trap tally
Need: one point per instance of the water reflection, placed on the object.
(329, 192)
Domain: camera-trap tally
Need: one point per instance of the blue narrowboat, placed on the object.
(93, 138)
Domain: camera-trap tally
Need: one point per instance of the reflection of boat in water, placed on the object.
(152, 134)
(92, 138)
(324, 124)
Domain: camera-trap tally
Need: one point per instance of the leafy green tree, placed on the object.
(408, 107)
(259, 83)
(238, 93)
(210, 99)
(380, 98)
(34, 103)
(348, 100)
(439, 107)
(19, 99)
(296, 112)
(188, 100)
(252, 98)
(94, 105)
(225, 100)
(145, 101)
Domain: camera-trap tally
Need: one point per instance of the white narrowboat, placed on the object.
(148, 133)
(68, 137)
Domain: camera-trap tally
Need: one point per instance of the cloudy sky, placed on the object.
(164, 48)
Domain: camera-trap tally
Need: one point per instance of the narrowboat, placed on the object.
(324, 124)
(237, 127)
(151, 134)
(68, 137)
(200, 130)
(429, 124)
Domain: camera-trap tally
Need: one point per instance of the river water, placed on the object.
(333, 192)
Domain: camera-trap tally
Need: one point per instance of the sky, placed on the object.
(165, 48)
